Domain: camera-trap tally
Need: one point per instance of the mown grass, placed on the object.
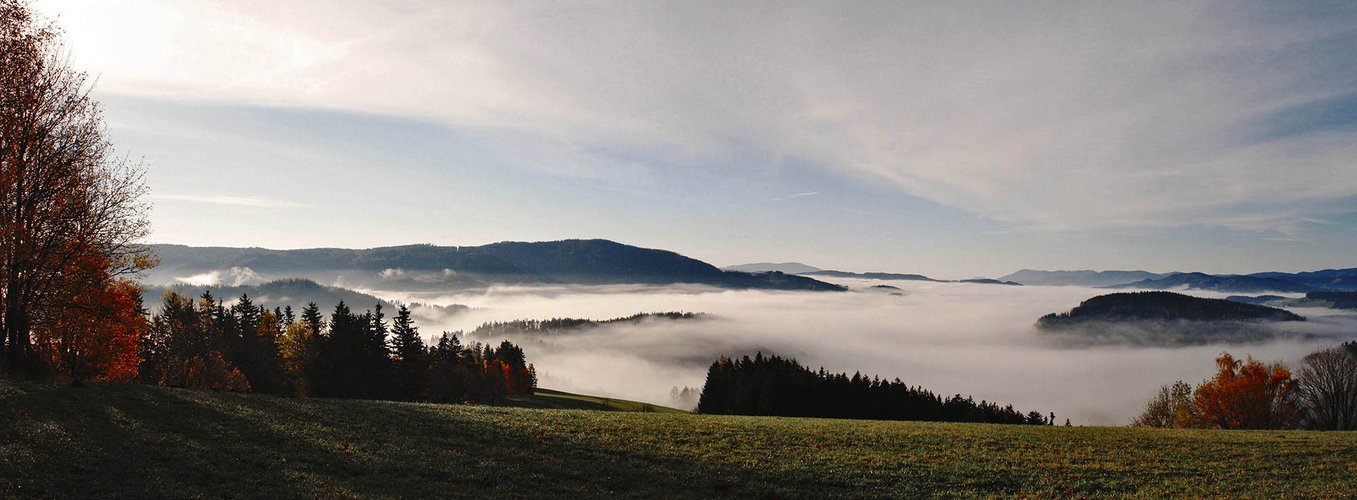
(552, 399)
(137, 441)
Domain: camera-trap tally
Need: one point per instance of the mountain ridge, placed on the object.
(425, 266)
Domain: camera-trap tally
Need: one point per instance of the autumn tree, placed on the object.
(1247, 395)
(1326, 388)
(297, 350)
(70, 211)
(99, 342)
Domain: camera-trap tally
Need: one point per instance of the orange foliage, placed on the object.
(1246, 395)
(96, 335)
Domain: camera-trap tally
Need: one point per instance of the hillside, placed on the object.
(429, 267)
(141, 441)
(1231, 284)
(1163, 306)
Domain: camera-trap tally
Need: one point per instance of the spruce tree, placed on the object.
(411, 358)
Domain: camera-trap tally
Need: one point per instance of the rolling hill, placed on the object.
(429, 267)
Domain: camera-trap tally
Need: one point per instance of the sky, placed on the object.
(954, 139)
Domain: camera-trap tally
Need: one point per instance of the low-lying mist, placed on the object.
(950, 338)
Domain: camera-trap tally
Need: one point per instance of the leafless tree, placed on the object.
(1327, 389)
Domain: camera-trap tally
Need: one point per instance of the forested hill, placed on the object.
(1158, 306)
(442, 267)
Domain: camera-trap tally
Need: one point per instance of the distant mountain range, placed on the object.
(905, 277)
(1079, 278)
(872, 276)
(429, 267)
(1326, 280)
(805, 270)
(1233, 284)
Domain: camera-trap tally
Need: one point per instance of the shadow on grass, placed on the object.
(114, 440)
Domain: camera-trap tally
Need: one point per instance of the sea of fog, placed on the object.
(950, 338)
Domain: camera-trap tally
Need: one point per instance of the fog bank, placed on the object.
(971, 339)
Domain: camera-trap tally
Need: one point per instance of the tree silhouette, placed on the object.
(410, 357)
(1327, 388)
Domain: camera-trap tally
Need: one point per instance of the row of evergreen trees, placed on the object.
(247, 347)
(773, 385)
(568, 325)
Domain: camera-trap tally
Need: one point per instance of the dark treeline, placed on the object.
(773, 385)
(206, 344)
(563, 325)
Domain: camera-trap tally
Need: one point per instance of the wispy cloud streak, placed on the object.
(235, 201)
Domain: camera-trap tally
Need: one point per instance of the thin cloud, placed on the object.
(856, 211)
(802, 195)
(235, 201)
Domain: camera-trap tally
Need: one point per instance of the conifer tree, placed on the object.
(410, 356)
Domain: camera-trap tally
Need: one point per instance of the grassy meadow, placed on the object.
(113, 440)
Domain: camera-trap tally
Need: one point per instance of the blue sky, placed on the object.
(956, 140)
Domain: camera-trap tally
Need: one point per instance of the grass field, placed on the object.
(136, 441)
